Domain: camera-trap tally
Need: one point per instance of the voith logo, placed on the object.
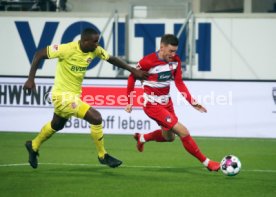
(141, 30)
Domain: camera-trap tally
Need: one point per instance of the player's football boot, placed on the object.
(110, 161)
(213, 166)
(32, 154)
(139, 145)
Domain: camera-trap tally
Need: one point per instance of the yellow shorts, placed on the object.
(69, 104)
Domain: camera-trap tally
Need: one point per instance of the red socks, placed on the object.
(191, 146)
(187, 141)
(155, 136)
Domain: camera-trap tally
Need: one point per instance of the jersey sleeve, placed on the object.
(130, 88)
(143, 64)
(101, 53)
(180, 85)
(56, 50)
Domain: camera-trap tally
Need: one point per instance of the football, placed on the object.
(230, 165)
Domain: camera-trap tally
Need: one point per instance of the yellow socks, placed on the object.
(97, 135)
(45, 133)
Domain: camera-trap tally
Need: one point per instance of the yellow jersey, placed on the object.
(72, 65)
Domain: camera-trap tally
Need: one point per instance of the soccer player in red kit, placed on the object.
(164, 66)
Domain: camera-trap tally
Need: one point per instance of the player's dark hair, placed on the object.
(88, 32)
(169, 39)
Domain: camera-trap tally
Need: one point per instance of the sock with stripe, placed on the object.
(97, 136)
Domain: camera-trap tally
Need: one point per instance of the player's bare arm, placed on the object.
(199, 107)
(139, 74)
(128, 108)
(39, 55)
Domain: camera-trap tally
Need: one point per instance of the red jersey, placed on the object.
(160, 75)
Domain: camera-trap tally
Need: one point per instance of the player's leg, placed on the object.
(162, 115)
(48, 130)
(141, 139)
(159, 135)
(63, 109)
(190, 145)
(45, 133)
(95, 119)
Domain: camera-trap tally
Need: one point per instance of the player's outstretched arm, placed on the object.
(139, 74)
(130, 93)
(39, 55)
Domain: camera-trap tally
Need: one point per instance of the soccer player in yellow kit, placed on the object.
(73, 60)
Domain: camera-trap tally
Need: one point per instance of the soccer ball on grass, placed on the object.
(230, 165)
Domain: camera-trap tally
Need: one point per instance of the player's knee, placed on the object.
(97, 119)
(57, 126)
(170, 138)
(93, 117)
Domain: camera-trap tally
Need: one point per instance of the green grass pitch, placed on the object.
(68, 166)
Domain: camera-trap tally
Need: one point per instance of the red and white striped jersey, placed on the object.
(161, 73)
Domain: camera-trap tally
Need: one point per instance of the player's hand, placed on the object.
(128, 108)
(140, 74)
(200, 108)
(29, 86)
